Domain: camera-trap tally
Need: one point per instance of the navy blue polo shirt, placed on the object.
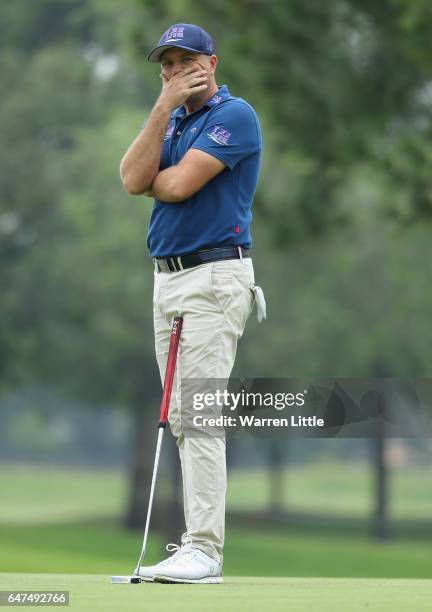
(219, 214)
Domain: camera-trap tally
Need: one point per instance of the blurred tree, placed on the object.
(72, 251)
(36, 121)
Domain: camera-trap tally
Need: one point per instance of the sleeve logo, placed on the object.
(219, 135)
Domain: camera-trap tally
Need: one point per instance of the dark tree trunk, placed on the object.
(380, 527)
(380, 523)
(167, 514)
(144, 436)
(276, 478)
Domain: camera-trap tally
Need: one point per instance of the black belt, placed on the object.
(183, 262)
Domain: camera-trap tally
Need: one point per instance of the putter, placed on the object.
(163, 417)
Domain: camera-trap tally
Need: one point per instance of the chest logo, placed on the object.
(193, 130)
(169, 132)
(219, 135)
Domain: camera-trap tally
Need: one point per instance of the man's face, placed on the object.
(174, 60)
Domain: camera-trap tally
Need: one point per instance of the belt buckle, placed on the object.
(176, 264)
(169, 264)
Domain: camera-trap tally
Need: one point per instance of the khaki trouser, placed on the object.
(215, 300)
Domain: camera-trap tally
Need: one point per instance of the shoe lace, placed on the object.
(180, 550)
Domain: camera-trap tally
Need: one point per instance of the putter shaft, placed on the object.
(152, 489)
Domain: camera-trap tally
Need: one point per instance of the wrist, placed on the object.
(162, 107)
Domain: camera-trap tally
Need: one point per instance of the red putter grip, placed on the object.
(170, 369)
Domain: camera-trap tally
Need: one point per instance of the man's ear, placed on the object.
(213, 63)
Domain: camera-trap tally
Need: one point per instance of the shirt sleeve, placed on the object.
(231, 133)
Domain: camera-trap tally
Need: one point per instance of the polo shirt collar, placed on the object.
(217, 98)
(221, 94)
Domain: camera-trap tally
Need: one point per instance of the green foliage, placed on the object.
(72, 243)
(30, 26)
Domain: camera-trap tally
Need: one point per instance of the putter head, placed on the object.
(126, 580)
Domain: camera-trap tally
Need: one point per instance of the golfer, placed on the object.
(198, 156)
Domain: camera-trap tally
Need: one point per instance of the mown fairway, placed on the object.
(93, 593)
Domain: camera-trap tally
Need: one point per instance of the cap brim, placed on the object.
(154, 56)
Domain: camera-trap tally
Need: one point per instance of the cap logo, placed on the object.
(173, 33)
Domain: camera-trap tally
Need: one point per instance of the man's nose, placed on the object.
(178, 66)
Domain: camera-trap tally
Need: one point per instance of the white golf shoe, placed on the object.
(189, 565)
(147, 572)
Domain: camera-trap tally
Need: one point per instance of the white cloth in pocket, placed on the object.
(260, 303)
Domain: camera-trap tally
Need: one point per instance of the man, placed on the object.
(198, 156)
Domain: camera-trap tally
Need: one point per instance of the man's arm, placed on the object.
(140, 164)
(179, 182)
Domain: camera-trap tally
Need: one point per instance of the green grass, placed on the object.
(50, 494)
(54, 520)
(47, 495)
(93, 593)
(104, 547)
(334, 488)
